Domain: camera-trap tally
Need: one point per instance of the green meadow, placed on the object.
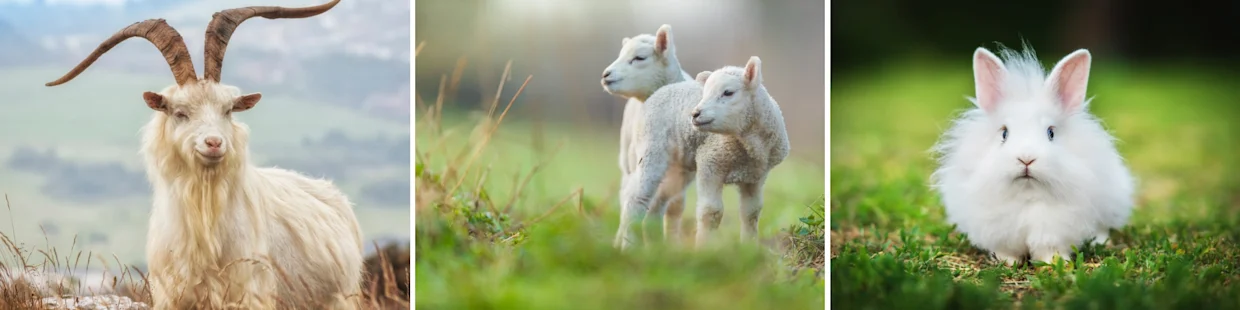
(892, 249)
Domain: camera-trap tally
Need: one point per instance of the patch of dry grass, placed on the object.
(29, 274)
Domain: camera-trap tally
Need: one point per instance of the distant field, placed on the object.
(890, 246)
(96, 118)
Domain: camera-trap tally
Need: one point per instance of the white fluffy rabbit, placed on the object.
(1029, 171)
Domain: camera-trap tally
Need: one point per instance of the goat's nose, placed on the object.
(213, 142)
(1026, 161)
(606, 73)
(696, 113)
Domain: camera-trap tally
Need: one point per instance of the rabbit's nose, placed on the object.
(1027, 162)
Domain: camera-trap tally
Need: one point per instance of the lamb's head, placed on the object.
(195, 115)
(646, 62)
(730, 98)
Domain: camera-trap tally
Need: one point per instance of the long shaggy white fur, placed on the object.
(645, 64)
(212, 214)
(1029, 171)
(724, 129)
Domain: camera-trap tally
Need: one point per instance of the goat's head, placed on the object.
(196, 114)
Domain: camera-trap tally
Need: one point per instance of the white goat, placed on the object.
(725, 128)
(224, 233)
(647, 63)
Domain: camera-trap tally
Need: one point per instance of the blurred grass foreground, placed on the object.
(892, 249)
(521, 216)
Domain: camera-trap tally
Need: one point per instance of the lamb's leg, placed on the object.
(654, 214)
(709, 204)
(673, 190)
(750, 211)
(643, 184)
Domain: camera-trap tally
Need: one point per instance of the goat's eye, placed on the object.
(1004, 130)
(1050, 133)
(728, 93)
(182, 115)
(639, 58)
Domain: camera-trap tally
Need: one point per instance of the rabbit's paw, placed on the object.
(1009, 259)
(1047, 254)
(1101, 238)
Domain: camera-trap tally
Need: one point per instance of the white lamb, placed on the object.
(722, 128)
(220, 227)
(647, 63)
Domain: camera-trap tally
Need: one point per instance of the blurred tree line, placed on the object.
(866, 32)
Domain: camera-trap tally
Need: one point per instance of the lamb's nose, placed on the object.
(696, 113)
(213, 142)
(1026, 162)
(606, 73)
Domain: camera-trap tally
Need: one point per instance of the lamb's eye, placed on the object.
(182, 115)
(639, 58)
(1050, 133)
(1004, 129)
(728, 93)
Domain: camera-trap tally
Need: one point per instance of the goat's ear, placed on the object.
(753, 72)
(246, 102)
(154, 101)
(701, 77)
(663, 39)
(1069, 79)
(988, 75)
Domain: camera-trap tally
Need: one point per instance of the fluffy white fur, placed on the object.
(210, 214)
(645, 64)
(694, 130)
(1077, 186)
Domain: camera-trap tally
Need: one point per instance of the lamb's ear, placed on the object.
(988, 75)
(246, 102)
(663, 39)
(753, 72)
(1069, 79)
(154, 101)
(701, 77)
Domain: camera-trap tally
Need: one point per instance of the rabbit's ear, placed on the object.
(1069, 79)
(988, 75)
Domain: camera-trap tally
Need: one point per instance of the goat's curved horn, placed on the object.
(158, 32)
(223, 23)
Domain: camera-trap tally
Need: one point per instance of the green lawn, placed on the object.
(536, 256)
(890, 245)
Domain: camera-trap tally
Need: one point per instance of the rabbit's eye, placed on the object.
(1050, 133)
(1004, 130)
